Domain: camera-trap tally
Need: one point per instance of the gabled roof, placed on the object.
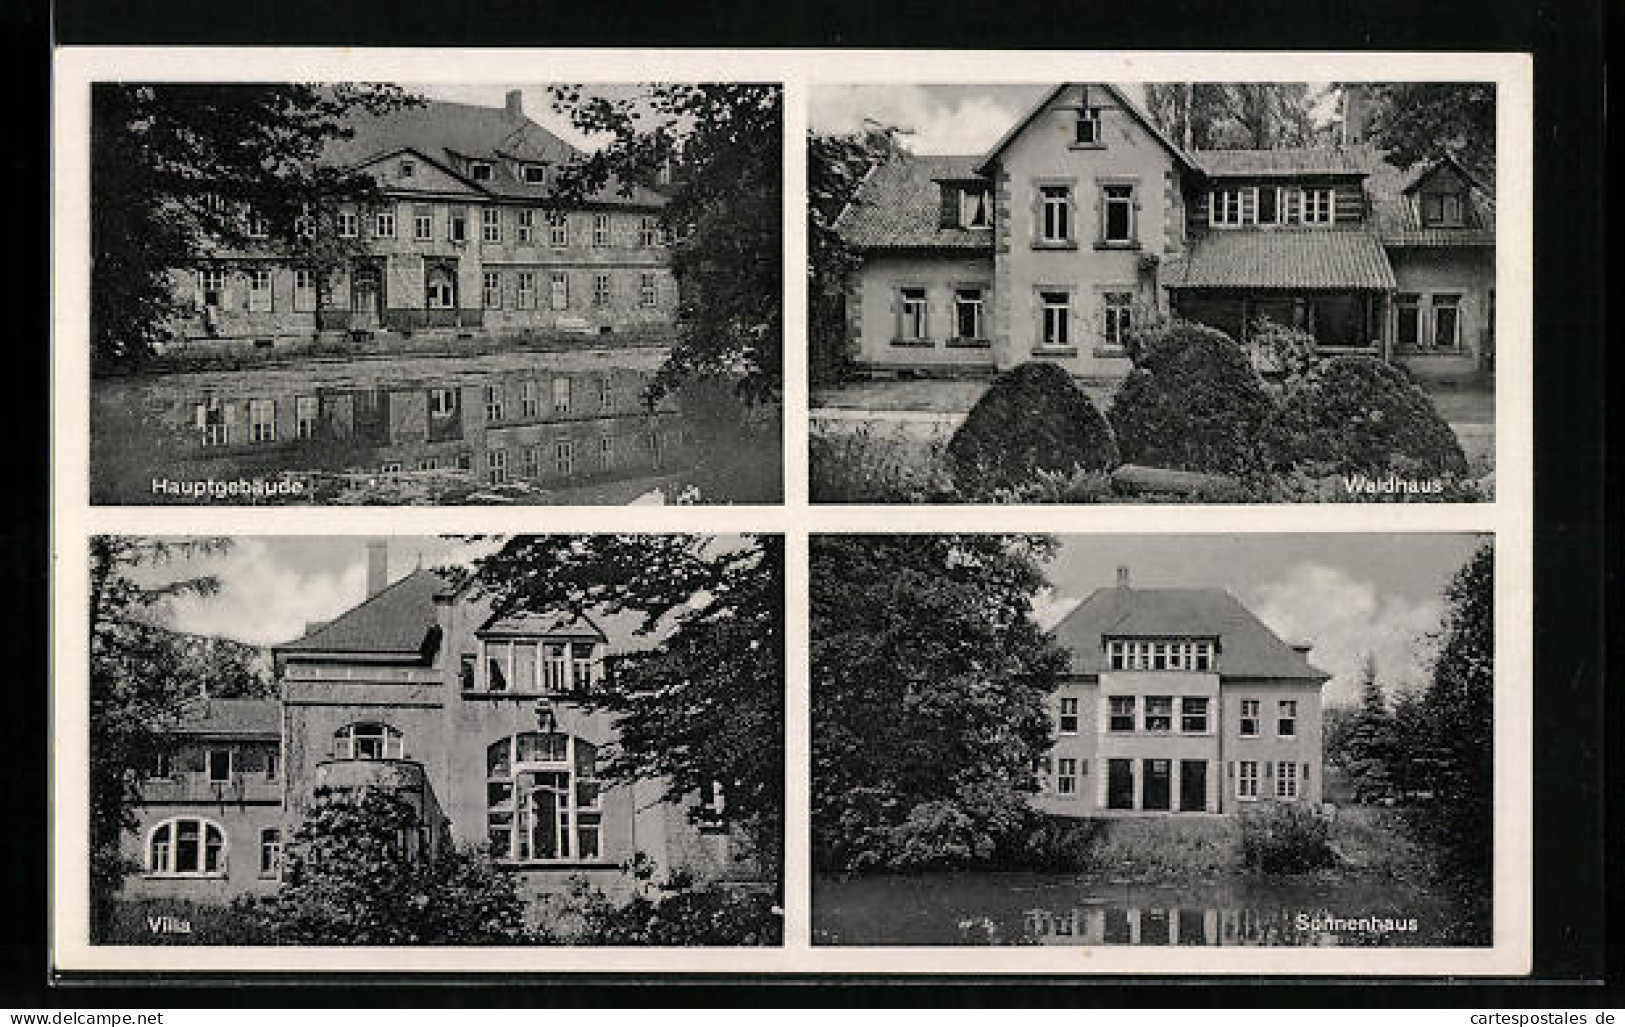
(1395, 214)
(1049, 98)
(443, 132)
(1304, 258)
(395, 621)
(898, 206)
(230, 718)
(553, 624)
(1247, 648)
(1285, 162)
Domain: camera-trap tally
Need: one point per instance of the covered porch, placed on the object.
(1340, 321)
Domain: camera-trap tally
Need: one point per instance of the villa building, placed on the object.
(1180, 700)
(1085, 219)
(475, 717)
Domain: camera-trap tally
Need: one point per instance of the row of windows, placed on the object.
(1435, 324)
(1237, 206)
(196, 847)
(1137, 654)
(523, 295)
(1117, 211)
(1125, 713)
(525, 225)
(969, 307)
(1285, 777)
(498, 467)
(220, 764)
(1055, 318)
(524, 665)
(439, 290)
(443, 402)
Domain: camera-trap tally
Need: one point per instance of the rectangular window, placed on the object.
(1286, 720)
(606, 452)
(1088, 130)
(648, 231)
(561, 395)
(1443, 210)
(1056, 330)
(423, 223)
(383, 225)
(647, 295)
(529, 403)
(525, 225)
(1233, 207)
(558, 290)
(913, 325)
(270, 852)
(1193, 715)
(259, 289)
(1247, 779)
(457, 226)
(564, 456)
(558, 229)
(490, 224)
(262, 420)
(1286, 780)
(1407, 319)
(533, 462)
(349, 224)
(492, 281)
(1318, 206)
(600, 229)
(534, 174)
(1446, 321)
(496, 463)
(496, 666)
(600, 290)
(1056, 223)
(442, 402)
(1066, 776)
(304, 289)
(968, 313)
(1159, 713)
(211, 285)
(1121, 709)
(1249, 718)
(480, 171)
(606, 392)
(306, 414)
(1117, 308)
(219, 766)
(527, 290)
(270, 765)
(494, 403)
(1069, 716)
(1117, 215)
(975, 209)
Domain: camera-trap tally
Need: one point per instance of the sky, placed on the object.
(1348, 595)
(537, 103)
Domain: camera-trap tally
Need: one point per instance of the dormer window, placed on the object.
(1088, 127)
(534, 174)
(531, 666)
(480, 171)
(1319, 207)
(1442, 210)
(1176, 654)
(975, 209)
(1233, 207)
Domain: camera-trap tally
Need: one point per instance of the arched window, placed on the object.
(189, 846)
(542, 798)
(368, 741)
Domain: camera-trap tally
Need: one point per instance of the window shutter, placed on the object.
(949, 212)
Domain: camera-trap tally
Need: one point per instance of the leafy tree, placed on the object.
(1371, 746)
(178, 169)
(1032, 418)
(356, 872)
(673, 913)
(1246, 115)
(929, 681)
(704, 704)
(720, 144)
(1417, 121)
(836, 166)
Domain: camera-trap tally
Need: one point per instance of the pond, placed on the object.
(562, 427)
(1071, 909)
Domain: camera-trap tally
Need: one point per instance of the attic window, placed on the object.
(1442, 210)
(975, 209)
(480, 171)
(1088, 131)
(534, 174)
(408, 169)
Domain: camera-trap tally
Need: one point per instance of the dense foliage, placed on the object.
(180, 168)
(1246, 115)
(1032, 418)
(705, 703)
(1362, 414)
(720, 145)
(1286, 838)
(353, 874)
(929, 684)
(673, 912)
(1417, 121)
(1192, 402)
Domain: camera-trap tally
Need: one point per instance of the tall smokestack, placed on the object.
(377, 566)
(515, 104)
(1122, 577)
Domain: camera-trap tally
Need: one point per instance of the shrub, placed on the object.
(1360, 414)
(1286, 838)
(675, 912)
(1192, 402)
(1033, 418)
(1281, 352)
(864, 466)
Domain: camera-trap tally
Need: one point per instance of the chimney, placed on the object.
(1356, 114)
(515, 105)
(1301, 648)
(1122, 577)
(377, 566)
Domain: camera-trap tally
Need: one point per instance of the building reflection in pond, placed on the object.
(1127, 925)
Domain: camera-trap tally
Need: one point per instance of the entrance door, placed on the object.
(1157, 785)
(366, 296)
(1192, 786)
(1120, 784)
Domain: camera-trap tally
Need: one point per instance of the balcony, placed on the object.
(197, 788)
(404, 775)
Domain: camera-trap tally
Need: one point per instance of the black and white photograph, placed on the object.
(1153, 740)
(531, 740)
(1152, 292)
(366, 293)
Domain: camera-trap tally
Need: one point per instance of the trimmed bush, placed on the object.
(1286, 838)
(1359, 414)
(1192, 402)
(1281, 352)
(1033, 418)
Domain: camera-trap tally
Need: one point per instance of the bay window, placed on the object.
(543, 799)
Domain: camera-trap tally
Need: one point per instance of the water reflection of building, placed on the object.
(553, 429)
(1166, 925)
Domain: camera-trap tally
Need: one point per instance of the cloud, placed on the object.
(965, 124)
(1346, 618)
(262, 601)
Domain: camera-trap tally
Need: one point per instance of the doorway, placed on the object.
(1158, 775)
(1120, 784)
(1192, 786)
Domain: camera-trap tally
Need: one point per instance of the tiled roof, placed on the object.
(1285, 162)
(555, 624)
(442, 131)
(1246, 647)
(231, 718)
(396, 620)
(899, 206)
(1282, 259)
(1394, 211)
